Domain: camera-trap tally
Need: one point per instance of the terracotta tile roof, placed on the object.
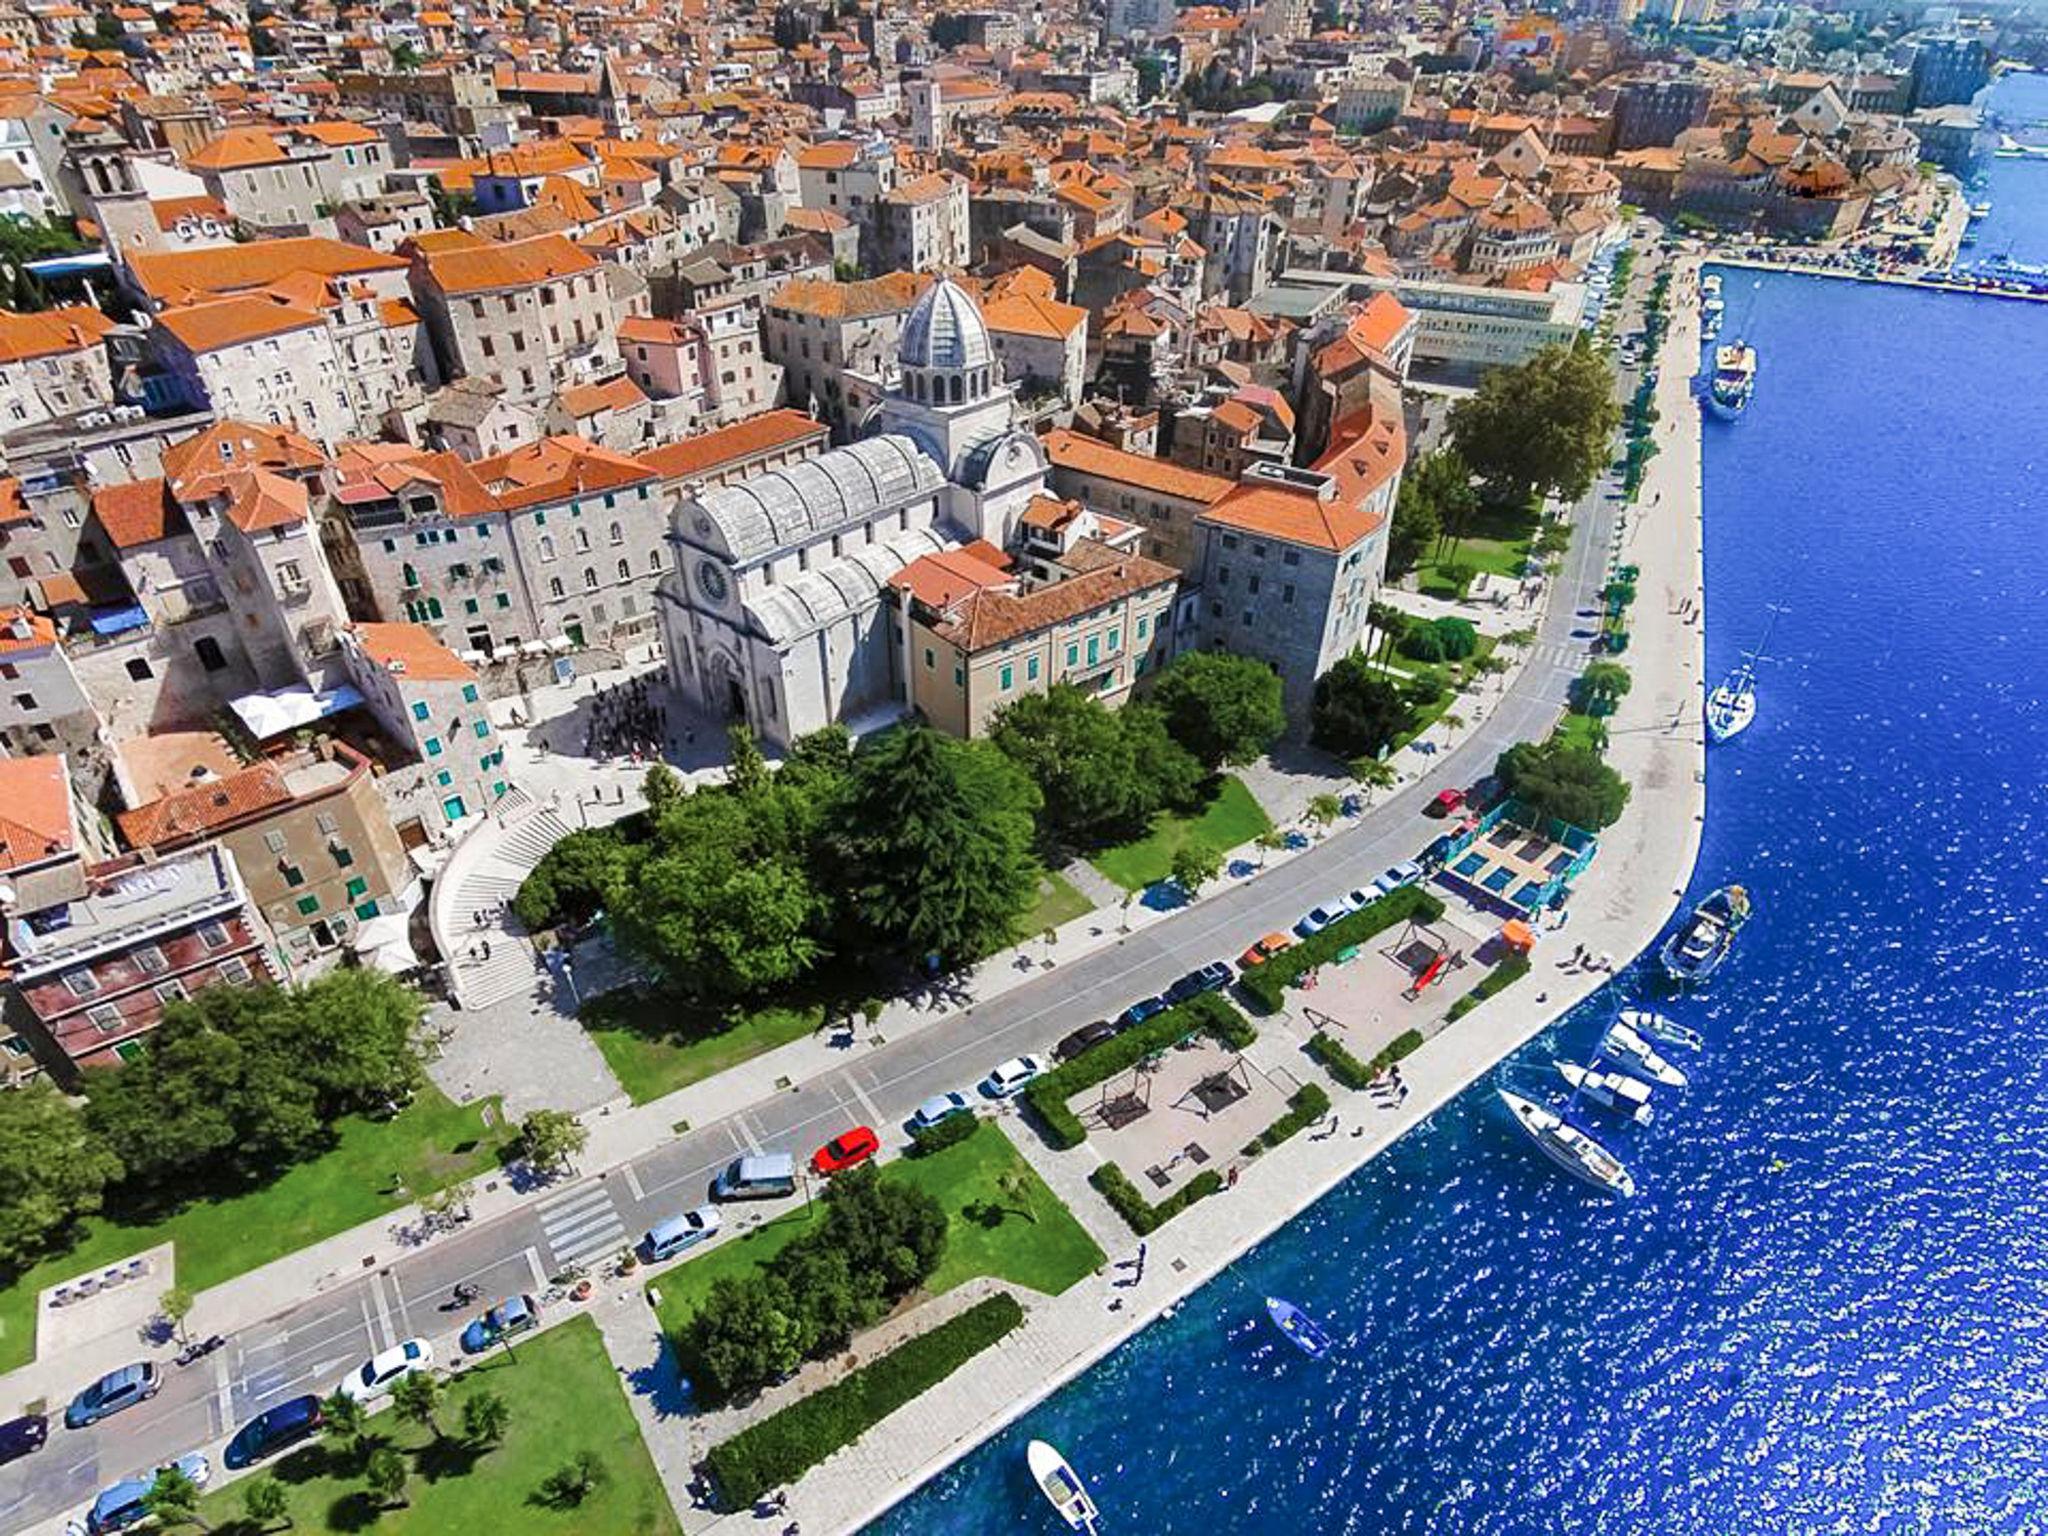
(1026, 314)
(197, 466)
(614, 394)
(36, 823)
(191, 813)
(13, 505)
(535, 157)
(23, 629)
(237, 149)
(263, 499)
(411, 651)
(337, 133)
(169, 210)
(234, 321)
(185, 276)
(940, 580)
(556, 468)
(74, 328)
(520, 264)
(734, 444)
(1371, 333)
(137, 513)
(1090, 456)
(884, 295)
(652, 332)
(992, 616)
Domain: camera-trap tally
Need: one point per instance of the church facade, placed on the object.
(776, 612)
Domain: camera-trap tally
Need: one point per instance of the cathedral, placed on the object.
(776, 612)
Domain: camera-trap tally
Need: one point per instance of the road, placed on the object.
(308, 1347)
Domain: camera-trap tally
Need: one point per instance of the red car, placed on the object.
(1446, 803)
(849, 1149)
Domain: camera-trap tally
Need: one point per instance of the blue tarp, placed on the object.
(118, 621)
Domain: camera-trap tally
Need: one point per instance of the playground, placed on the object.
(1405, 978)
(1190, 1107)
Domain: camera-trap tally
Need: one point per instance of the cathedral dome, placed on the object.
(945, 332)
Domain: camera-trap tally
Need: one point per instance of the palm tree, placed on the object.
(1518, 639)
(1270, 842)
(1385, 620)
(1374, 773)
(1015, 1186)
(1451, 723)
(341, 1422)
(1494, 665)
(1323, 810)
(264, 1500)
(386, 1475)
(484, 1418)
(173, 1499)
(417, 1398)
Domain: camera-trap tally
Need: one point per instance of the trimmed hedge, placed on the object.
(789, 1442)
(1348, 1070)
(1499, 979)
(1308, 1105)
(949, 1132)
(1048, 1095)
(1265, 984)
(1143, 1216)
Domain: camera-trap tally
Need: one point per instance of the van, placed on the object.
(756, 1178)
(666, 1239)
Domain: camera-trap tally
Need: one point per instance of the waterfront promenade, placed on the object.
(1621, 903)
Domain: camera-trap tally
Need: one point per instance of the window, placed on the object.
(959, 675)
(1144, 621)
(105, 1017)
(483, 729)
(589, 579)
(172, 991)
(469, 693)
(625, 571)
(503, 601)
(419, 711)
(150, 960)
(343, 857)
(444, 778)
(618, 534)
(234, 968)
(1094, 649)
(81, 983)
(582, 541)
(547, 546)
(138, 669)
(1287, 593)
(293, 875)
(1073, 655)
(214, 935)
(433, 746)
(1291, 557)
(1116, 639)
(1006, 678)
(1252, 585)
(1031, 669)
(367, 911)
(358, 888)
(1230, 541)
(25, 700)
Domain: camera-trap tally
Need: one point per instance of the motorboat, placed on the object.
(1696, 951)
(1062, 1488)
(1632, 1053)
(1617, 1091)
(1569, 1147)
(1733, 380)
(1302, 1331)
(1655, 1026)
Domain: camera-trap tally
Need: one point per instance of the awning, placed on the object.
(118, 621)
(1516, 935)
(286, 709)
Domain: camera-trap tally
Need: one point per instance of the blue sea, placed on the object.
(2016, 189)
(1827, 1311)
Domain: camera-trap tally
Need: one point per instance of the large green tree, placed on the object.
(1542, 426)
(1572, 783)
(52, 1170)
(934, 844)
(1357, 711)
(1225, 709)
(1101, 772)
(358, 1032)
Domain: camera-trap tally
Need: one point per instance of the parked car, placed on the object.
(849, 1149)
(1407, 872)
(1213, 977)
(126, 1503)
(1485, 793)
(1448, 802)
(1086, 1038)
(940, 1106)
(1012, 1076)
(23, 1436)
(1319, 918)
(666, 1239)
(272, 1430)
(762, 1176)
(1143, 1009)
(1264, 950)
(116, 1390)
(380, 1373)
(513, 1315)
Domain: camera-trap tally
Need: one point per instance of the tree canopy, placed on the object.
(1101, 773)
(52, 1171)
(1556, 778)
(1357, 711)
(1224, 709)
(1542, 426)
(1436, 501)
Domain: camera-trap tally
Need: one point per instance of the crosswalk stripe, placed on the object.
(586, 1195)
(567, 1231)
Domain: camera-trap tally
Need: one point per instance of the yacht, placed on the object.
(1617, 1091)
(1632, 1053)
(1569, 1147)
(1654, 1026)
(1696, 951)
(1062, 1489)
(1733, 380)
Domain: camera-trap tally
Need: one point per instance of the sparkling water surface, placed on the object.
(1827, 1311)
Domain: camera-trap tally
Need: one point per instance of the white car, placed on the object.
(1321, 917)
(380, 1373)
(1407, 872)
(940, 1106)
(1012, 1075)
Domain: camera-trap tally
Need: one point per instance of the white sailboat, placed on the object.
(1731, 707)
(1062, 1488)
(1569, 1147)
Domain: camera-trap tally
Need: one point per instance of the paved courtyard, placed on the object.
(1189, 1108)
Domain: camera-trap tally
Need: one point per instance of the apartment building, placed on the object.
(48, 709)
(292, 177)
(431, 703)
(535, 314)
(53, 365)
(827, 335)
(1161, 497)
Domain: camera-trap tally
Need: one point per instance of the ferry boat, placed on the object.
(1696, 951)
(1569, 1147)
(1302, 1331)
(1632, 1053)
(1617, 1091)
(1062, 1489)
(1733, 381)
(1654, 1026)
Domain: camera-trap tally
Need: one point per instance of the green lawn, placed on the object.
(1058, 902)
(1579, 731)
(655, 1044)
(565, 1398)
(1047, 1254)
(1498, 540)
(1231, 818)
(432, 1143)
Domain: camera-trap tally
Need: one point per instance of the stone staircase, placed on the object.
(487, 869)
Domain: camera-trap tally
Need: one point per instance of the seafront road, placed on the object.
(309, 1343)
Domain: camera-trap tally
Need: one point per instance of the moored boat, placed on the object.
(1569, 1147)
(1696, 951)
(1731, 707)
(1733, 380)
(1632, 1053)
(1061, 1487)
(1617, 1091)
(1302, 1331)
(1654, 1026)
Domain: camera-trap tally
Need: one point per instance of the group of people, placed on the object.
(626, 721)
(1389, 1089)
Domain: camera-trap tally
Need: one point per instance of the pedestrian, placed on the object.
(1231, 1182)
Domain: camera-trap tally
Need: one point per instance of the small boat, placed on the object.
(1569, 1147)
(1731, 707)
(1617, 1091)
(1696, 951)
(1302, 1331)
(1632, 1053)
(1733, 380)
(1654, 1026)
(1062, 1489)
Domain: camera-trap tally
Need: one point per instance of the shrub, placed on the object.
(1348, 1070)
(1142, 1216)
(1456, 638)
(1048, 1095)
(1499, 979)
(1308, 1105)
(1422, 643)
(576, 877)
(788, 1443)
(949, 1132)
(1265, 984)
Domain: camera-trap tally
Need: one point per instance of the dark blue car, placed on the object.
(272, 1430)
(1140, 1011)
